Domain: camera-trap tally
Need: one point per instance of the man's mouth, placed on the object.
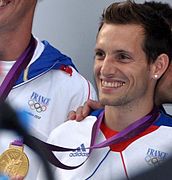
(3, 3)
(114, 84)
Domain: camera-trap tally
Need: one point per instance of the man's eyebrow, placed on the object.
(122, 51)
(98, 49)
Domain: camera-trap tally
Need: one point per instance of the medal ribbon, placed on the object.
(14, 73)
(131, 131)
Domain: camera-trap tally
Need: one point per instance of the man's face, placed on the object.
(121, 69)
(14, 12)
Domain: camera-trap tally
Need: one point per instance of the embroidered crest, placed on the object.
(38, 103)
(155, 157)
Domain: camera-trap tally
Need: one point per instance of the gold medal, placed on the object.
(14, 162)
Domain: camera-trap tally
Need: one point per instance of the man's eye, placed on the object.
(99, 55)
(123, 58)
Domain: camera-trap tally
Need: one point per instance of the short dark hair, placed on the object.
(163, 9)
(158, 35)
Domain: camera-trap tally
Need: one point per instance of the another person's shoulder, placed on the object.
(72, 126)
(72, 131)
(165, 119)
(61, 69)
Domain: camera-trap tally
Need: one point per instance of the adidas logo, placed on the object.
(80, 151)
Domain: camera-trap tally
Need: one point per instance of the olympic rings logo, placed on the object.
(153, 161)
(37, 106)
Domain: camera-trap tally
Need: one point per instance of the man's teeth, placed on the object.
(112, 84)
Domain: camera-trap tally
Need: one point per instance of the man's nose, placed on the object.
(109, 66)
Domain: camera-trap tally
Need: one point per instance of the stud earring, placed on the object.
(156, 76)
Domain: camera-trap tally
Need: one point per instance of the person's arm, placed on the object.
(83, 111)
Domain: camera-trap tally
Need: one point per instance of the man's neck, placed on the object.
(118, 118)
(13, 45)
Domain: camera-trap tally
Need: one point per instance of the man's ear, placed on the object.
(159, 66)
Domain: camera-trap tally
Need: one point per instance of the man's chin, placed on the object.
(106, 102)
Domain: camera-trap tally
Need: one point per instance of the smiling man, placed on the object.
(123, 76)
(163, 90)
(133, 49)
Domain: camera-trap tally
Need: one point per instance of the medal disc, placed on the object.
(14, 162)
